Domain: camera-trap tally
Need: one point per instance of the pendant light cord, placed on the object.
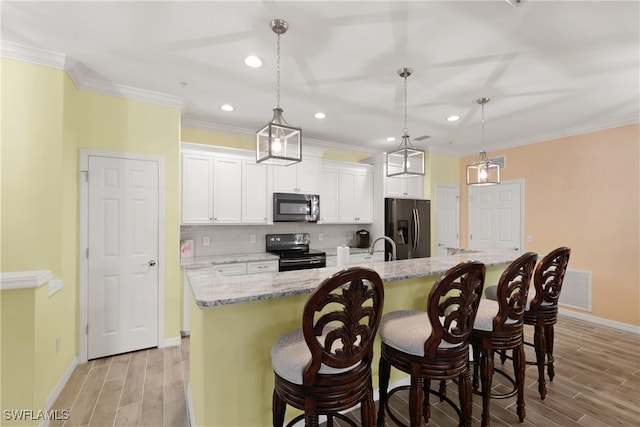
(406, 128)
(278, 72)
(482, 109)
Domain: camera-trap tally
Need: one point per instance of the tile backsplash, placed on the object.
(232, 239)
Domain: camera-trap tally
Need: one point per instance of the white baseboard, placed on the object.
(171, 342)
(601, 321)
(190, 411)
(58, 387)
(61, 383)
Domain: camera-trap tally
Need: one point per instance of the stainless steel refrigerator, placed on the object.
(407, 222)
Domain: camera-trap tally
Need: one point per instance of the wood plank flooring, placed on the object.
(597, 383)
(143, 388)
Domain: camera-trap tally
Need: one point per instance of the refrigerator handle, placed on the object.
(416, 229)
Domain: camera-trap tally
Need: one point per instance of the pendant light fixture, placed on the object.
(406, 160)
(484, 171)
(278, 143)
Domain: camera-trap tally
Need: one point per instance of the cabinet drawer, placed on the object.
(234, 269)
(261, 266)
(366, 258)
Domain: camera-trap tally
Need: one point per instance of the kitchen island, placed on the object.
(235, 320)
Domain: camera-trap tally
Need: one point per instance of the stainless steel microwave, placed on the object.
(294, 207)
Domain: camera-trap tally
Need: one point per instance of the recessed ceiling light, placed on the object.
(253, 61)
(319, 115)
(227, 107)
(453, 118)
(391, 139)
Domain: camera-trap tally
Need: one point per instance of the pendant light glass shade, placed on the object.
(278, 143)
(484, 171)
(406, 160)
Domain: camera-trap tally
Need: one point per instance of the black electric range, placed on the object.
(294, 252)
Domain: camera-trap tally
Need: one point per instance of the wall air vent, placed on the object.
(576, 289)
(501, 160)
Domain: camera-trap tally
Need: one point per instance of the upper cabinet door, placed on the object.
(197, 189)
(364, 197)
(404, 187)
(300, 177)
(355, 196)
(329, 196)
(254, 193)
(227, 187)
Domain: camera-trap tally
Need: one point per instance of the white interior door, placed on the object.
(495, 217)
(123, 249)
(447, 218)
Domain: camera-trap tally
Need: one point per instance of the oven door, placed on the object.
(303, 263)
(291, 207)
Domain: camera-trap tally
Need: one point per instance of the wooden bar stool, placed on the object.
(433, 345)
(325, 367)
(498, 327)
(542, 310)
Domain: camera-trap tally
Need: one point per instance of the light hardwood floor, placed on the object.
(143, 388)
(597, 383)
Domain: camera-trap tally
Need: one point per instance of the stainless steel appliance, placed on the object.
(294, 207)
(362, 239)
(407, 222)
(294, 252)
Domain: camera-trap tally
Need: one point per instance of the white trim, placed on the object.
(84, 199)
(61, 383)
(171, 342)
(24, 279)
(601, 321)
(191, 414)
(55, 286)
(33, 55)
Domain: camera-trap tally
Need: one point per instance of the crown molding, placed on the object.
(312, 142)
(78, 75)
(32, 54)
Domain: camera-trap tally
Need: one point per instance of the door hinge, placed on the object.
(470, 236)
(87, 253)
(86, 330)
(86, 175)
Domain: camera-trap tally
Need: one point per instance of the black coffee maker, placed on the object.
(362, 239)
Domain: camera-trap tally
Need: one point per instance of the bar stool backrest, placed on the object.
(452, 306)
(548, 278)
(340, 320)
(512, 292)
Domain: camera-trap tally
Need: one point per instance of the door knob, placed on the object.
(516, 249)
(152, 263)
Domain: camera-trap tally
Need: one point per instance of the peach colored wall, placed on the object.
(584, 192)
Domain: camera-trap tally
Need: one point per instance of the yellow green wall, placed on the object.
(584, 192)
(46, 120)
(115, 124)
(39, 230)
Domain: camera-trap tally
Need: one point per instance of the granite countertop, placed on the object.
(333, 251)
(211, 289)
(207, 260)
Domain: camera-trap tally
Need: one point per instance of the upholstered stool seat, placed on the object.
(325, 367)
(498, 327)
(433, 344)
(290, 355)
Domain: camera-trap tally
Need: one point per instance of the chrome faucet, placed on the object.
(388, 239)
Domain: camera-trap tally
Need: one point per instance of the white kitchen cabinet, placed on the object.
(197, 188)
(329, 195)
(411, 187)
(227, 187)
(232, 269)
(355, 196)
(302, 177)
(262, 267)
(254, 192)
(364, 258)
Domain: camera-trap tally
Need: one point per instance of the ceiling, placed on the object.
(551, 68)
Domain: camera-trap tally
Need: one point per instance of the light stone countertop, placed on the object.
(209, 260)
(211, 289)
